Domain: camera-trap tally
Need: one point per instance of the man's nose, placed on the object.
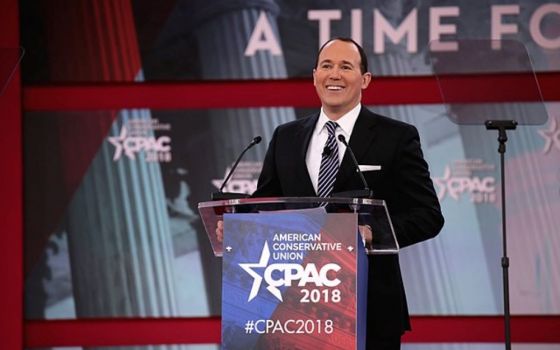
(335, 73)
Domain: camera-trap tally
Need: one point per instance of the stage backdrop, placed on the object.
(110, 196)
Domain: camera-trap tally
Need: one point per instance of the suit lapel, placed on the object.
(361, 140)
(304, 136)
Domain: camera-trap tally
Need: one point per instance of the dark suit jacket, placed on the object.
(403, 182)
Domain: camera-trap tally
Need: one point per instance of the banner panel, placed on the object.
(111, 199)
(290, 279)
(265, 39)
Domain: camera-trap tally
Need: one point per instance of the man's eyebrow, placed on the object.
(328, 60)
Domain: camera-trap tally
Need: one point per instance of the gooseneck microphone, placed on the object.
(366, 192)
(326, 151)
(224, 195)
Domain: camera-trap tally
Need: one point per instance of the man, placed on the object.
(295, 160)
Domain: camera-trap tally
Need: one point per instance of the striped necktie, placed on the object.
(329, 162)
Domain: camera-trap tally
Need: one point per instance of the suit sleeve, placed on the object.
(416, 214)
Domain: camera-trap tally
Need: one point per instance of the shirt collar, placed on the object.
(346, 122)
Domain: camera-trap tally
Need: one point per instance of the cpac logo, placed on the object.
(131, 145)
(286, 274)
(236, 185)
(244, 179)
(481, 189)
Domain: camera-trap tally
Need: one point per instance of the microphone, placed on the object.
(366, 192)
(326, 151)
(230, 195)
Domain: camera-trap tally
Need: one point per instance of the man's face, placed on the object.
(338, 79)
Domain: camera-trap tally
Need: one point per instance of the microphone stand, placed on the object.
(220, 195)
(502, 126)
(363, 193)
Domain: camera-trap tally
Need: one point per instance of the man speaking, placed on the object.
(305, 158)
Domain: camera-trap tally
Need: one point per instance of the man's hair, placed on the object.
(363, 56)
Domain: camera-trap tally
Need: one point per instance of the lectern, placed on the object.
(295, 269)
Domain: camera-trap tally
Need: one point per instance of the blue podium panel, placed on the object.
(293, 280)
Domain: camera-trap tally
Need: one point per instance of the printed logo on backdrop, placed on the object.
(551, 136)
(136, 139)
(467, 178)
(309, 277)
(243, 180)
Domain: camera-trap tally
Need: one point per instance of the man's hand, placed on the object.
(367, 235)
(220, 230)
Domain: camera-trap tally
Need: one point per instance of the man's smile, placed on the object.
(334, 87)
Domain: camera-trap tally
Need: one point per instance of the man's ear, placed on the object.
(366, 79)
(314, 82)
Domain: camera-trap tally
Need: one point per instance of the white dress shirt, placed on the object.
(319, 138)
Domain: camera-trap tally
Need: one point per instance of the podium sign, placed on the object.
(293, 280)
(295, 269)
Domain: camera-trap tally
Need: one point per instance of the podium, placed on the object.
(295, 269)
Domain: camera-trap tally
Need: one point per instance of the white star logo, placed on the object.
(551, 136)
(118, 141)
(257, 279)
